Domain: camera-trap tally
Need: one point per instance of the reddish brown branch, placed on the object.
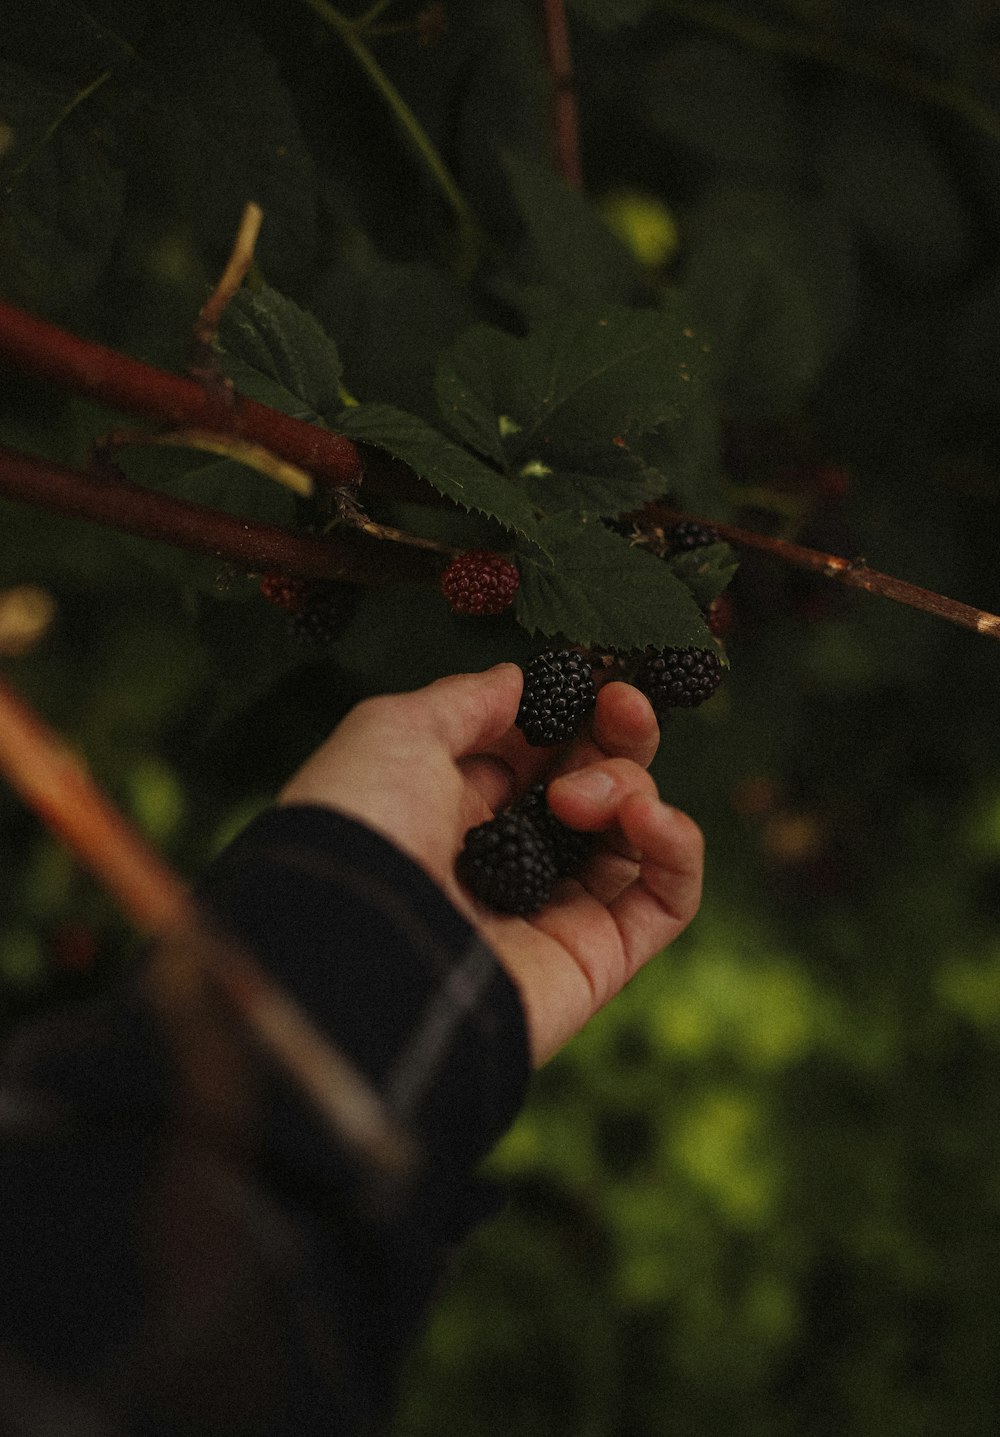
(854, 572)
(84, 367)
(565, 124)
(54, 785)
(247, 543)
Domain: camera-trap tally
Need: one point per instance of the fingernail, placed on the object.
(589, 783)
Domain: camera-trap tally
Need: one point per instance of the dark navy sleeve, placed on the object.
(158, 1275)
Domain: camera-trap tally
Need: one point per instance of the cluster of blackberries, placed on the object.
(513, 862)
(559, 690)
(688, 535)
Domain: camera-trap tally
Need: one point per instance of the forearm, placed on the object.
(397, 979)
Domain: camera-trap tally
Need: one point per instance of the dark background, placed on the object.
(760, 1194)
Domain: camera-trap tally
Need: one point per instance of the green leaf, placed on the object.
(772, 282)
(364, 299)
(569, 245)
(597, 589)
(707, 572)
(604, 481)
(203, 479)
(63, 185)
(587, 376)
(451, 470)
(278, 354)
(228, 130)
(687, 457)
(476, 384)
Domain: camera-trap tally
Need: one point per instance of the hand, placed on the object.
(423, 767)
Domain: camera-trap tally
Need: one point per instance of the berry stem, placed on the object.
(854, 572)
(53, 783)
(235, 272)
(565, 123)
(149, 514)
(351, 33)
(85, 367)
(227, 446)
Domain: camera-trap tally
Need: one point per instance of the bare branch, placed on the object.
(854, 572)
(565, 124)
(84, 367)
(252, 546)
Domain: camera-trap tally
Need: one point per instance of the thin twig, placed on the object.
(53, 783)
(55, 125)
(240, 260)
(565, 123)
(117, 380)
(351, 33)
(854, 572)
(226, 446)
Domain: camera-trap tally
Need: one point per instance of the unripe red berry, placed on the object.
(285, 592)
(478, 582)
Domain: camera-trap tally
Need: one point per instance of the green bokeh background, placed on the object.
(761, 1193)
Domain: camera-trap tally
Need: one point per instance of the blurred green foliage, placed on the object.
(761, 1194)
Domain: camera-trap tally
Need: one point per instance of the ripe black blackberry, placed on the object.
(318, 622)
(508, 864)
(678, 678)
(571, 848)
(558, 695)
(689, 534)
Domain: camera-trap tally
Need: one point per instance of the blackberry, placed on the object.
(571, 848)
(678, 678)
(479, 582)
(507, 864)
(689, 534)
(558, 694)
(321, 616)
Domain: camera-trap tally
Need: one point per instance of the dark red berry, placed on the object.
(316, 608)
(478, 582)
(284, 591)
(722, 616)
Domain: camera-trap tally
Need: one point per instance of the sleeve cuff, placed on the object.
(385, 966)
